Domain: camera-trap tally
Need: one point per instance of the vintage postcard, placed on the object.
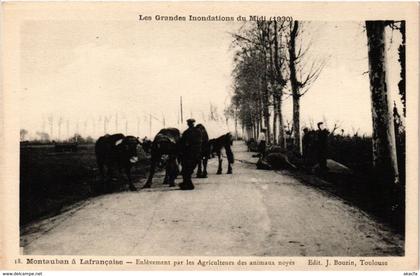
(209, 136)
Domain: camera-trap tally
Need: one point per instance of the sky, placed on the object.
(80, 73)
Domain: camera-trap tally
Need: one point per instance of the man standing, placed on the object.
(322, 143)
(306, 147)
(262, 143)
(191, 151)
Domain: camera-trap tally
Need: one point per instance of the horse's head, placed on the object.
(146, 145)
(129, 146)
(229, 138)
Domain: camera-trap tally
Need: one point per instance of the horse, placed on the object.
(205, 153)
(216, 145)
(165, 142)
(118, 151)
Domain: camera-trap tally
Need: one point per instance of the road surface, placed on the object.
(252, 212)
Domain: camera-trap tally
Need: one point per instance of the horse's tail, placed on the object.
(229, 155)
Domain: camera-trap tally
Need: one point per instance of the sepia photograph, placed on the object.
(215, 132)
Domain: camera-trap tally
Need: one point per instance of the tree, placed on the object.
(383, 137)
(23, 133)
(248, 71)
(278, 78)
(259, 78)
(43, 136)
(401, 59)
(302, 76)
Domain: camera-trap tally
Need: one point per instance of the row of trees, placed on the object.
(44, 138)
(273, 60)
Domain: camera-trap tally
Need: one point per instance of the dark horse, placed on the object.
(165, 142)
(216, 145)
(117, 151)
(205, 152)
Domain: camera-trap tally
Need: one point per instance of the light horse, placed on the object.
(165, 142)
(216, 146)
(205, 152)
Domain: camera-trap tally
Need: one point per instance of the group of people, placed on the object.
(315, 146)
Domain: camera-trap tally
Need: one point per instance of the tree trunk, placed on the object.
(296, 125)
(265, 105)
(280, 80)
(295, 88)
(257, 132)
(274, 89)
(236, 123)
(282, 136)
(383, 137)
(401, 59)
(264, 80)
(275, 121)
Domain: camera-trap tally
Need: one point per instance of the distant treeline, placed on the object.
(44, 139)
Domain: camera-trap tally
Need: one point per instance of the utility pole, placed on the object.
(182, 115)
(68, 128)
(163, 121)
(116, 122)
(138, 126)
(60, 121)
(77, 127)
(104, 126)
(85, 123)
(150, 124)
(93, 127)
(43, 124)
(51, 123)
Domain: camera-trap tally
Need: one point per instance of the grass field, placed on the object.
(51, 180)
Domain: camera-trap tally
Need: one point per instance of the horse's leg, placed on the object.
(155, 159)
(229, 168)
(204, 175)
(219, 156)
(108, 177)
(101, 167)
(173, 169)
(230, 158)
(167, 168)
(130, 183)
(199, 170)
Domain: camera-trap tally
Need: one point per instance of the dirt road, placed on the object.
(251, 212)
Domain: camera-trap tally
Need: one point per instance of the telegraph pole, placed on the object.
(68, 128)
(150, 124)
(116, 122)
(182, 116)
(138, 126)
(163, 121)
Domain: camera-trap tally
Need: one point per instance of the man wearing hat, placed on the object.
(191, 151)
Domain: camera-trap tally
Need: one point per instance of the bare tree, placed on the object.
(251, 75)
(23, 133)
(383, 138)
(60, 122)
(302, 76)
(279, 62)
(51, 123)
